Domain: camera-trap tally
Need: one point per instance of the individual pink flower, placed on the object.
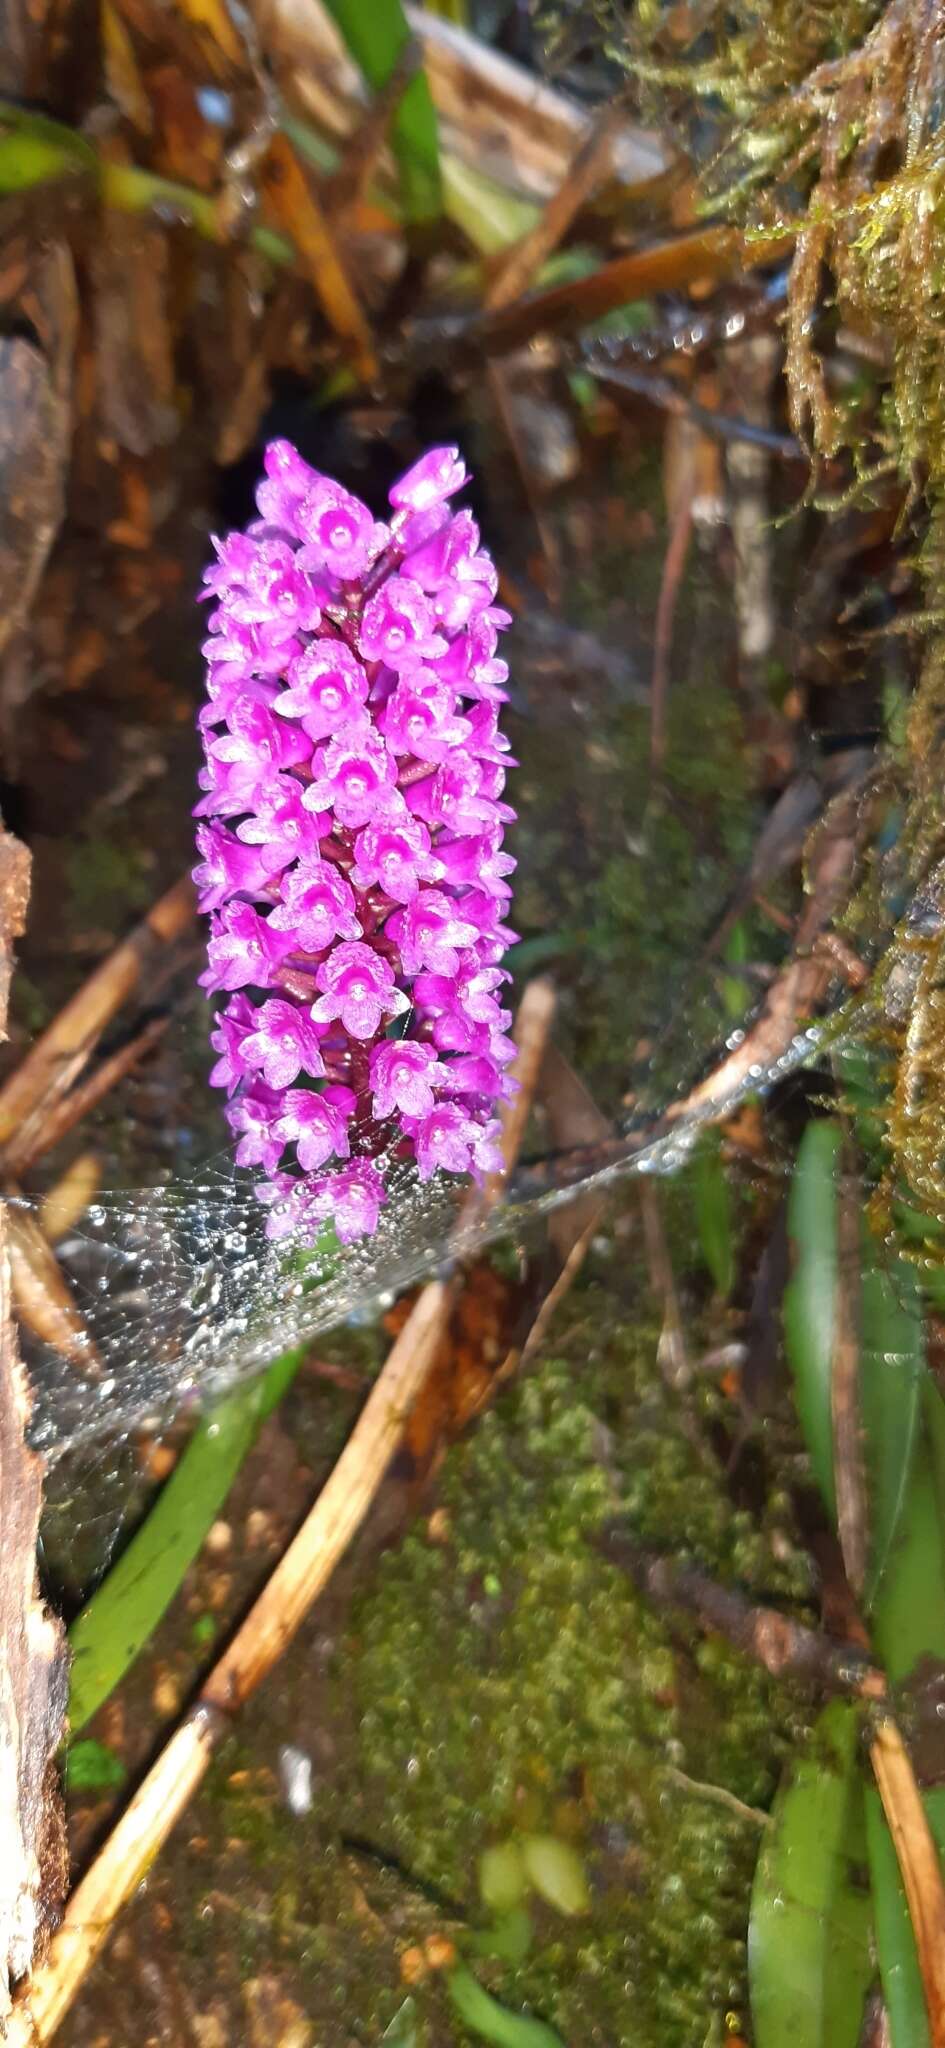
(232, 1026)
(318, 906)
(338, 530)
(431, 932)
(395, 854)
(229, 867)
(446, 1138)
(315, 1125)
(403, 1076)
(355, 778)
(353, 1199)
(357, 985)
(282, 822)
(244, 949)
(327, 690)
(252, 1117)
(437, 475)
(419, 718)
(397, 625)
(282, 1043)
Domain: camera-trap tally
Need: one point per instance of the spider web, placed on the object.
(181, 1295)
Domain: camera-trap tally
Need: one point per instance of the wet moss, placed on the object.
(507, 1679)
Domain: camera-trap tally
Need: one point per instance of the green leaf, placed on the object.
(809, 1957)
(125, 1609)
(714, 1212)
(404, 2029)
(810, 1293)
(509, 1937)
(92, 1767)
(895, 1942)
(502, 1882)
(483, 2015)
(556, 1872)
(892, 1362)
(376, 34)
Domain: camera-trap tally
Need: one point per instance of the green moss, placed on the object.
(108, 881)
(509, 1680)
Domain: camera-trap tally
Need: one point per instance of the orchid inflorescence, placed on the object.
(358, 882)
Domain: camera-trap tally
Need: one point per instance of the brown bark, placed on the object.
(33, 1666)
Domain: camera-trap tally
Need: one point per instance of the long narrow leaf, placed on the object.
(376, 32)
(895, 1941)
(892, 1362)
(808, 1937)
(811, 1292)
(116, 1622)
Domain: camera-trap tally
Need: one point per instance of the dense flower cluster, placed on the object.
(351, 843)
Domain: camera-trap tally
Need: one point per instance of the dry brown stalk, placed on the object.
(589, 167)
(41, 1295)
(45, 1128)
(295, 206)
(272, 1622)
(52, 1064)
(33, 1866)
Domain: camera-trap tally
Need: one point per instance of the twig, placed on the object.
(41, 1296)
(272, 1622)
(295, 204)
(668, 395)
(785, 1648)
(348, 184)
(589, 167)
(671, 1354)
(51, 1065)
(45, 1128)
(719, 1795)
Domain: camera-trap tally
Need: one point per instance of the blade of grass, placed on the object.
(376, 36)
(714, 1212)
(121, 1615)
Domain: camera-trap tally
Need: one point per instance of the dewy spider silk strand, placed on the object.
(352, 862)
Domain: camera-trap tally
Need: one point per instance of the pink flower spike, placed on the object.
(284, 1041)
(437, 475)
(351, 858)
(358, 987)
(403, 1075)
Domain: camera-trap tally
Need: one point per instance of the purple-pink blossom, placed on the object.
(352, 860)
